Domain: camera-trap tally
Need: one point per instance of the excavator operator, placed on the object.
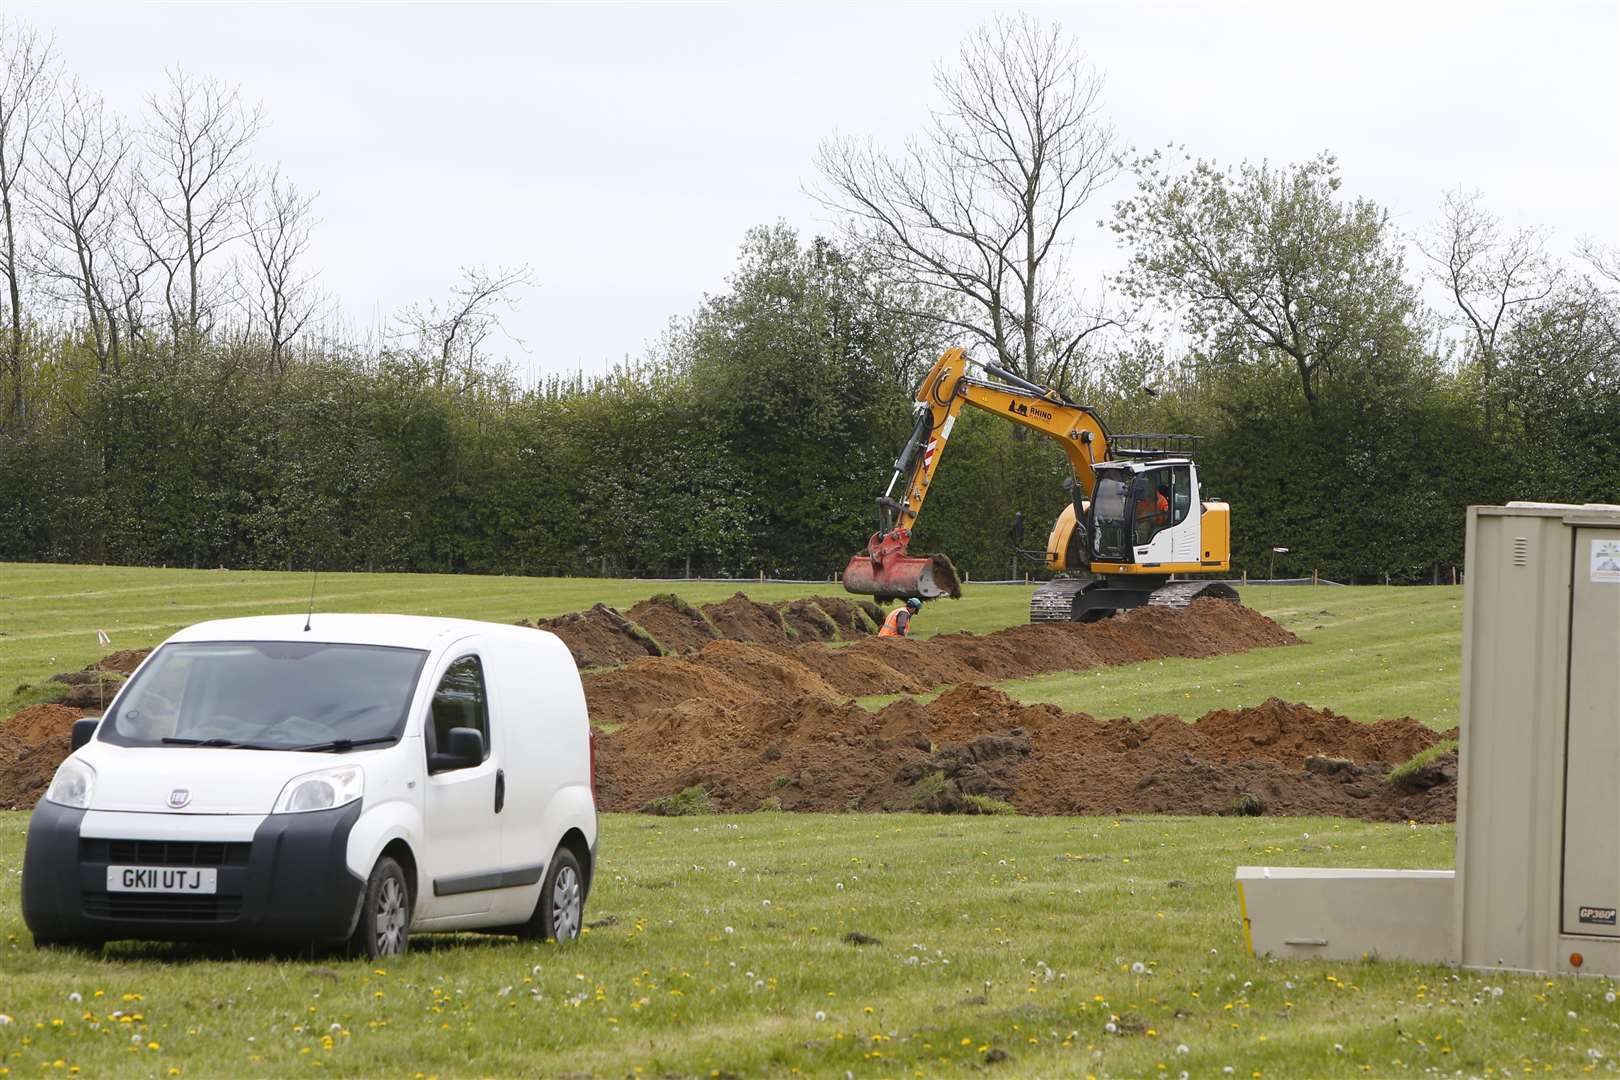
(898, 624)
(1152, 512)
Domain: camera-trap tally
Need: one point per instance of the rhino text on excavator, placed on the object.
(1137, 517)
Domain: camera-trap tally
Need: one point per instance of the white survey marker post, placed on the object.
(1537, 880)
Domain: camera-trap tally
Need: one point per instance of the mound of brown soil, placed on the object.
(909, 665)
(32, 744)
(89, 689)
(850, 618)
(599, 636)
(742, 619)
(678, 626)
(974, 744)
(807, 620)
(124, 661)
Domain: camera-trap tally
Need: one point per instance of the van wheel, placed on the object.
(385, 913)
(561, 910)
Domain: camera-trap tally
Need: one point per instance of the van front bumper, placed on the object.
(290, 884)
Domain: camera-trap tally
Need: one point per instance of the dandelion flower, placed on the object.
(1138, 968)
(820, 1016)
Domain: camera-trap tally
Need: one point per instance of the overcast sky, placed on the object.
(622, 150)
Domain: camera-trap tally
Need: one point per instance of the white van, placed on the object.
(341, 778)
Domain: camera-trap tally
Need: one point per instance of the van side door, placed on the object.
(523, 703)
(461, 847)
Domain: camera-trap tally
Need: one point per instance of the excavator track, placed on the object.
(1090, 599)
(1054, 600)
(1178, 594)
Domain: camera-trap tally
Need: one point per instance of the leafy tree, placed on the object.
(1272, 268)
(804, 369)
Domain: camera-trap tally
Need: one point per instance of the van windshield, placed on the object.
(267, 695)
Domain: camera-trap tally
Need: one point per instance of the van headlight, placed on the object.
(72, 784)
(322, 790)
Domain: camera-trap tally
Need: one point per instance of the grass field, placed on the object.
(724, 954)
(1004, 946)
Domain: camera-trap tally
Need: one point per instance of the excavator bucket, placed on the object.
(886, 571)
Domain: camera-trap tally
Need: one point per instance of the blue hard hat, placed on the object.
(913, 603)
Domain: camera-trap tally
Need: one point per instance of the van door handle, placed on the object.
(500, 789)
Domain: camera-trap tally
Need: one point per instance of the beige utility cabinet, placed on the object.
(1538, 808)
(1537, 877)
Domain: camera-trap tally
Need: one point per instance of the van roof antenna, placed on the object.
(314, 575)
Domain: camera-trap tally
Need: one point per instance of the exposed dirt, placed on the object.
(974, 744)
(124, 661)
(666, 625)
(678, 626)
(742, 619)
(851, 618)
(32, 744)
(807, 621)
(599, 636)
(89, 689)
(911, 665)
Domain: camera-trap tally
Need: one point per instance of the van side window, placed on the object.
(458, 702)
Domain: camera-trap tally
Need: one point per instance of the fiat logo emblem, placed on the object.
(179, 797)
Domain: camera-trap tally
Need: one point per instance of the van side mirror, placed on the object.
(1018, 528)
(466, 747)
(83, 729)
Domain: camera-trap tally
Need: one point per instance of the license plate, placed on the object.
(166, 879)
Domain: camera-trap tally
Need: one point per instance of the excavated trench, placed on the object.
(754, 704)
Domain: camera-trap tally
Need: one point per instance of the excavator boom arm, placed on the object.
(886, 569)
(946, 388)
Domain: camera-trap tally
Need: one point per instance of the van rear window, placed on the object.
(267, 695)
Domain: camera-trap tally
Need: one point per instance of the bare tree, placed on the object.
(978, 207)
(454, 332)
(74, 191)
(27, 70)
(281, 294)
(1490, 275)
(1605, 260)
(191, 194)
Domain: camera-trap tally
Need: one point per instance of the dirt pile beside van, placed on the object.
(975, 750)
(913, 665)
(599, 636)
(32, 744)
(666, 625)
(124, 661)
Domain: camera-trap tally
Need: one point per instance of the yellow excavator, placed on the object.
(1137, 517)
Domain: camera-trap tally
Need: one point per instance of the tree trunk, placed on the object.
(13, 346)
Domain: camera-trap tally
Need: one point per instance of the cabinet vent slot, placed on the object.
(1521, 551)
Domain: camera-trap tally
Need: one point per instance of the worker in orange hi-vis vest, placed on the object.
(898, 624)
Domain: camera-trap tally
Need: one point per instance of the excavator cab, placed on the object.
(1142, 516)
